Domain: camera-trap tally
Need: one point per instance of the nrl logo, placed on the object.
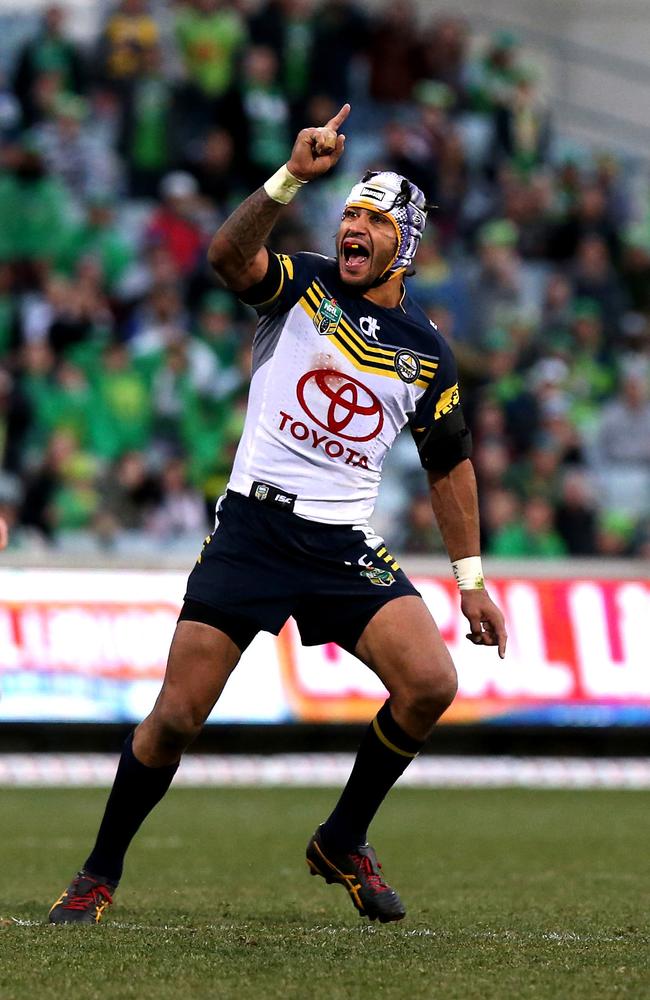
(261, 492)
(328, 317)
(407, 366)
(380, 577)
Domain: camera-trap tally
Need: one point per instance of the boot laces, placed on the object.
(373, 879)
(93, 896)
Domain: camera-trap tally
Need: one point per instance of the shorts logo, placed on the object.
(380, 577)
(261, 492)
(333, 400)
(328, 317)
(407, 366)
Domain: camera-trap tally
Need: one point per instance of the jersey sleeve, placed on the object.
(438, 425)
(285, 281)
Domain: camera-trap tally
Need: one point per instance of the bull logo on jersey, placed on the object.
(334, 400)
(407, 366)
(380, 577)
(327, 317)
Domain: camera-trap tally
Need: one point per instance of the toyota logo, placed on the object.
(338, 399)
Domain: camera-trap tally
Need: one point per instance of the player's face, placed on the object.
(365, 245)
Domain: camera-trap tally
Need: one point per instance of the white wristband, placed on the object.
(283, 186)
(469, 573)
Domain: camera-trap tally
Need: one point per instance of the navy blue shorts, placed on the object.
(262, 565)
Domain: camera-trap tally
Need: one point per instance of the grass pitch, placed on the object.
(510, 894)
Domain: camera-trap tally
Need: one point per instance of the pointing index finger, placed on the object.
(338, 119)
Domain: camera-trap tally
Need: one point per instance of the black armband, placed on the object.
(447, 443)
(264, 291)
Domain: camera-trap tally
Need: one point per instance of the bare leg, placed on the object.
(403, 646)
(201, 659)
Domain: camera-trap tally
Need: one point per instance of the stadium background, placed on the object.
(128, 132)
(122, 378)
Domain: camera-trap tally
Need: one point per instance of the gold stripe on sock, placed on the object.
(387, 743)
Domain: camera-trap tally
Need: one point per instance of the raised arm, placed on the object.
(455, 505)
(237, 252)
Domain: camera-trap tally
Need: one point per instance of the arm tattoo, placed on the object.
(247, 229)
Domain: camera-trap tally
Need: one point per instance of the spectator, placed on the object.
(340, 36)
(48, 52)
(264, 136)
(575, 515)
(594, 277)
(287, 27)
(211, 36)
(500, 513)
(586, 216)
(129, 492)
(181, 511)
(521, 124)
(636, 268)
(74, 153)
(211, 161)
(420, 533)
(174, 225)
(121, 419)
(148, 137)
(99, 238)
(34, 213)
(494, 74)
(129, 32)
(622, 452)
(394, 53)
(535, 537)
(444, 55)
(43, 483)
(501, 283)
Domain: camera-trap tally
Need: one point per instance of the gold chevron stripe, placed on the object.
(365, 364)
(317, 294)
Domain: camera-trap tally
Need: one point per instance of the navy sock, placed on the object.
(385, 753)
(136, 790)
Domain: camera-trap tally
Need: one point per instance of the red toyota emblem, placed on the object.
(339, 399)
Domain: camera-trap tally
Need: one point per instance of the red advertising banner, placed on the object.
(93, 644)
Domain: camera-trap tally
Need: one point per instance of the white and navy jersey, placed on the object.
(335, 379)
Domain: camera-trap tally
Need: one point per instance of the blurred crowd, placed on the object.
(124, 367)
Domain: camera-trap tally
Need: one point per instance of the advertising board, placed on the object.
(91, 645)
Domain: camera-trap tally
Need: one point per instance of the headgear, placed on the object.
(403, 203)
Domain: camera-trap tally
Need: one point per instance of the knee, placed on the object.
(430, 693)
(173, 726)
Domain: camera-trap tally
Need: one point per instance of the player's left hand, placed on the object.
(485, 620)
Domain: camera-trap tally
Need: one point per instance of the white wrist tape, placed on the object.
(283, 186)
(469, 573)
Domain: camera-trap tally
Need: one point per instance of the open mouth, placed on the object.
(355, 255)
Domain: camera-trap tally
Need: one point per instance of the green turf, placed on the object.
(510, 894)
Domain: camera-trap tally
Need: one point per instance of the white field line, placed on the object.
(562, 937)
(332, 770)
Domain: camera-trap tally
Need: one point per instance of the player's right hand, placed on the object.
(317, 150)
(4, 533)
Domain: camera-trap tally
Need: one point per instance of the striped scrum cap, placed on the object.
(405, 205)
